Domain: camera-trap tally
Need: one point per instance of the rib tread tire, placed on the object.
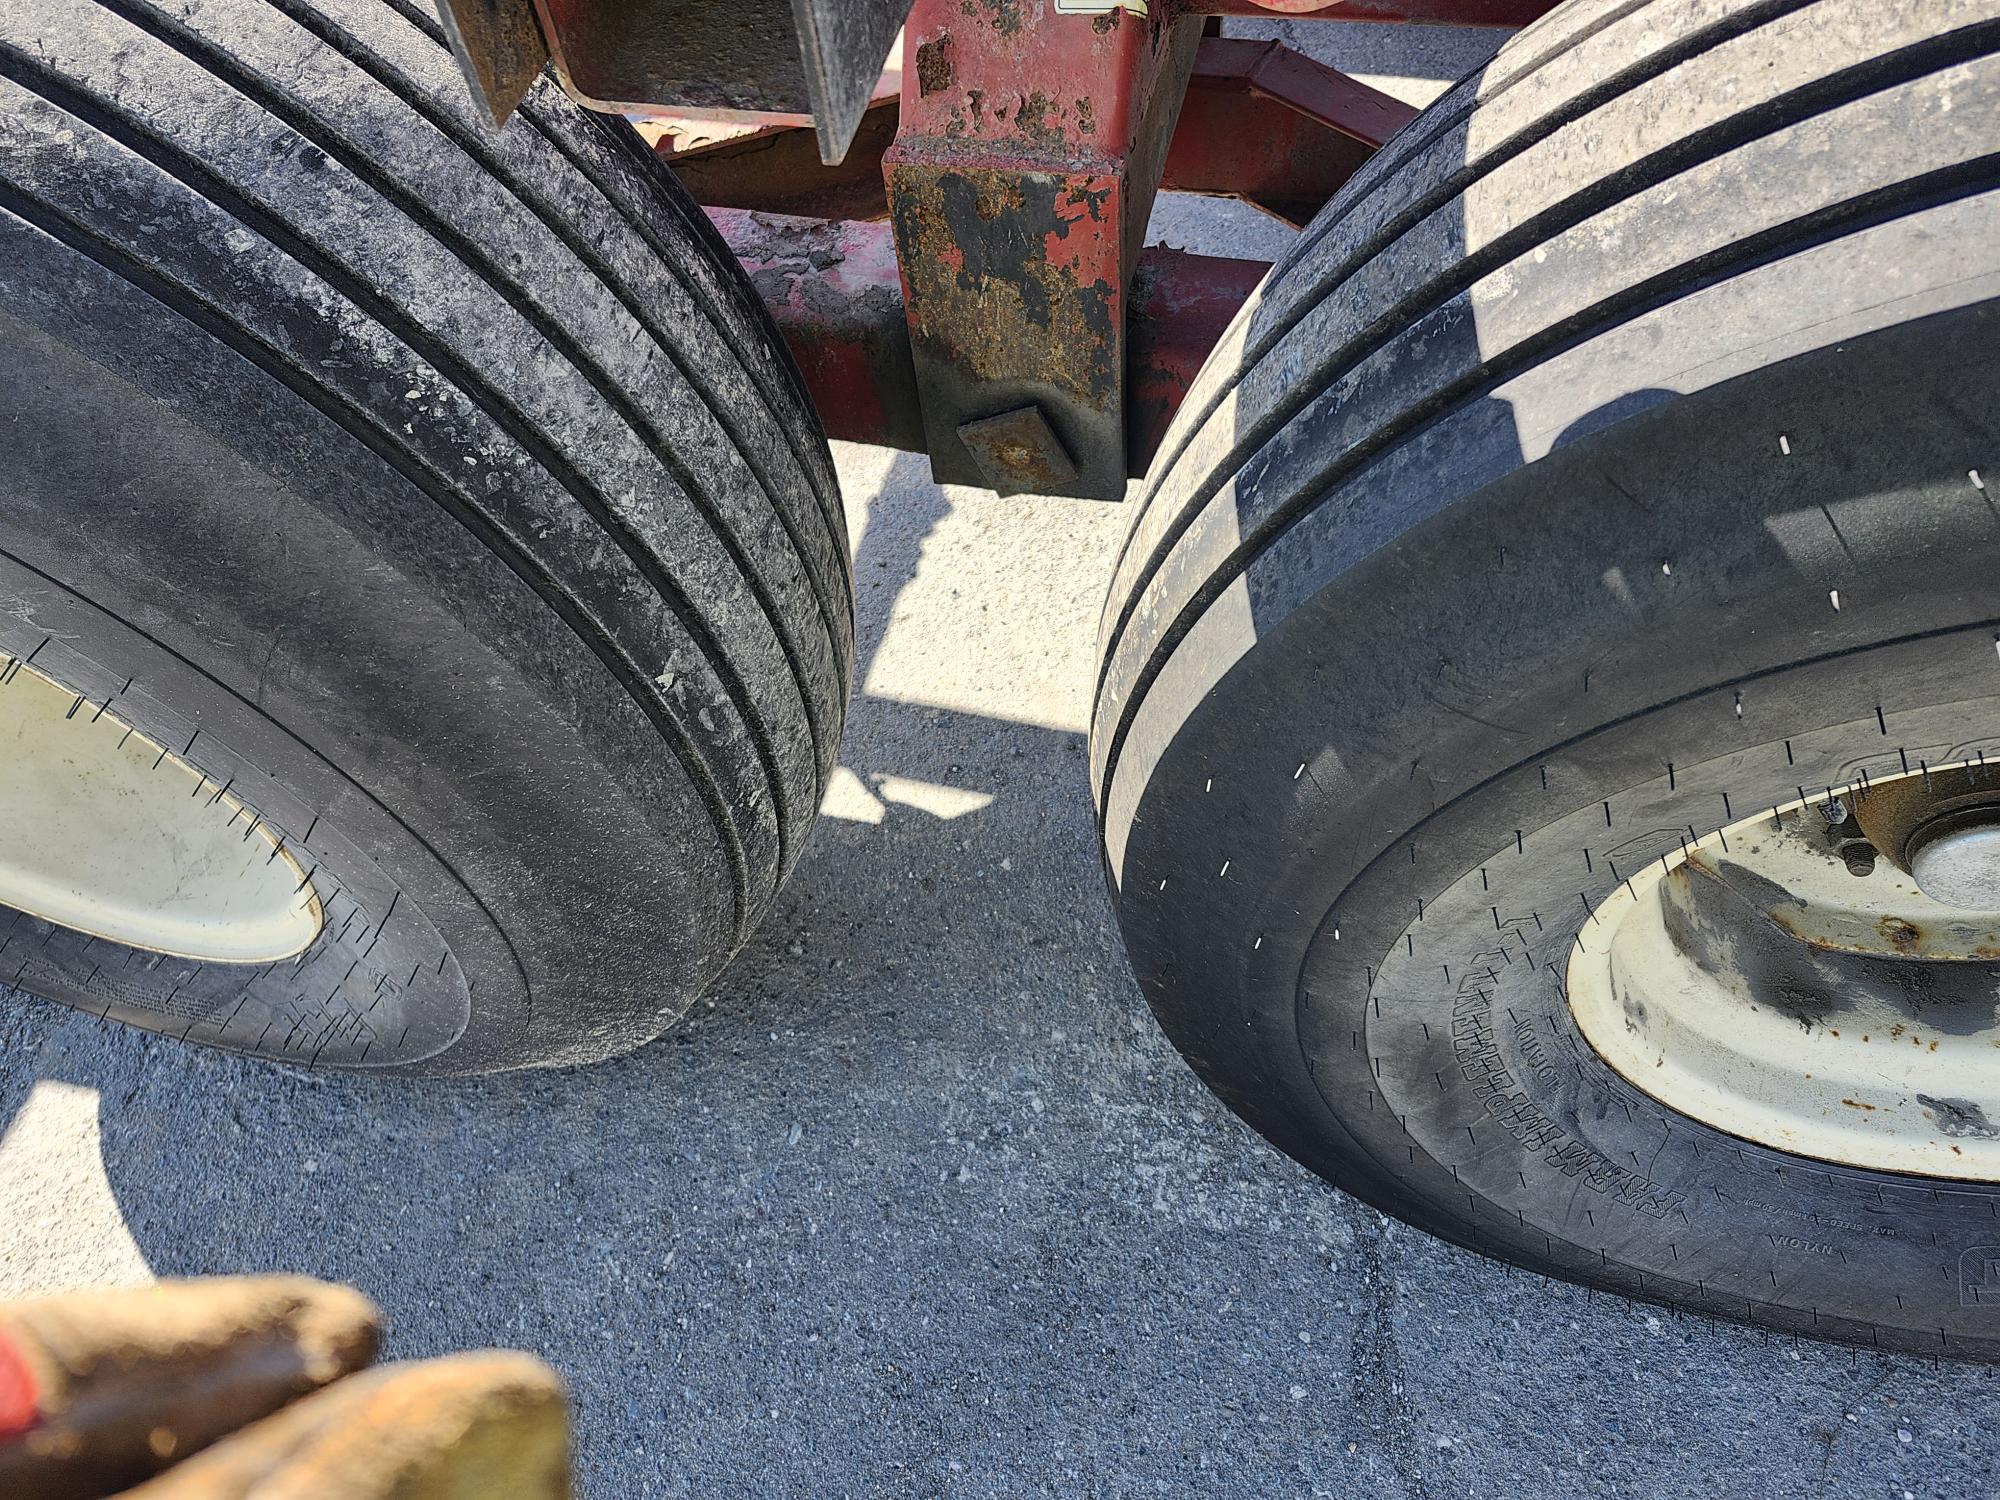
(572, 380)
(1364, 609)
(584, 381)
(1664, 97)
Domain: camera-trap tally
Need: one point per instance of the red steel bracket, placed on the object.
(1181, 305)
(1019, 185)
(1013, 328)
(834, 293)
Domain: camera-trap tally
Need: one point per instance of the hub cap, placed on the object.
(108, 833)
(1960, 866)
(1823, 979)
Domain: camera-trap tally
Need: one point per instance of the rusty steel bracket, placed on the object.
(777, 168)
(810, 57)
(499, 48)
(1260, 123)
(834, 293)
(1019, 184)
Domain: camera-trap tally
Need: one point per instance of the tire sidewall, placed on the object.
(199, 539)
(1390, 732)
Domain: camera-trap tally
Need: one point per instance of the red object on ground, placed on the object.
(19, 1400)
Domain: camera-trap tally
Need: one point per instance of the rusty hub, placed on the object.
(1823, 978)
(1942, 826)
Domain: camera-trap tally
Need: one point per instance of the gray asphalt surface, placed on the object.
(921, 1203)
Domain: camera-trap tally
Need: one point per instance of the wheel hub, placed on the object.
(1823, 979)
(110, 834)
(1960, 865)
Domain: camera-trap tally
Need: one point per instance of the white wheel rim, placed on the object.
(1875, 1087)
(110, 834)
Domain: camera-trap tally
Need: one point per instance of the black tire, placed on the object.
(446, 493)
(1614, 442)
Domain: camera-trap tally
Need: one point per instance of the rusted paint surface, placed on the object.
(1009, 273)
(1019, 186)
(834, 292)
(934, 71)
(1019, 181)
(1893, 813)
(1019, 453)
(1886, 979)
(1790, 877)
(1508, 13)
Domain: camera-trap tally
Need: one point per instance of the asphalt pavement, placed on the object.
(920, 1202)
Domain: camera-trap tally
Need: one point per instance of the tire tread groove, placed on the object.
(175, 162)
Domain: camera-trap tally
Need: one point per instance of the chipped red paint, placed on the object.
(1019, 185)
(834, 293)
(1508, 13)
(1027, 149)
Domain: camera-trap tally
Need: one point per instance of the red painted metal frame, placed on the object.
(1259, 122)
(835, 294)
(1007, 321)
(1019, 186)
(1275, 128)
(1181, 306)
